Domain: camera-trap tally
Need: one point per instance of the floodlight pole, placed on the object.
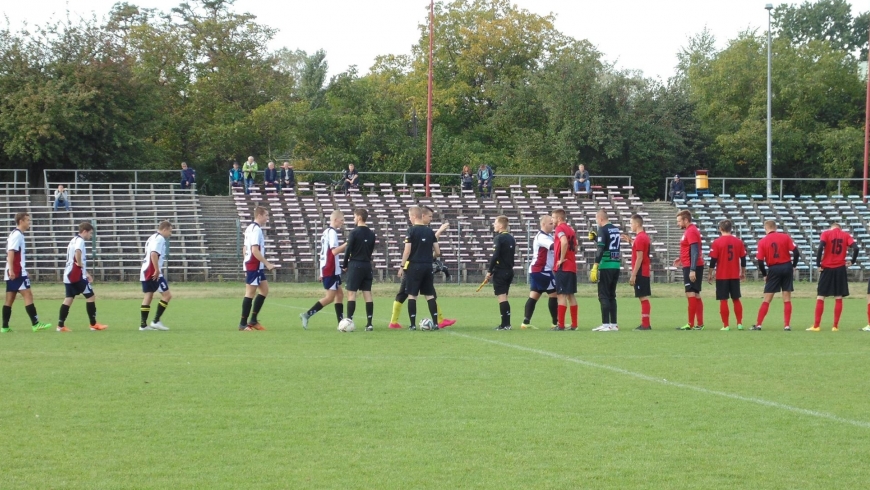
(769, 7)
(429, 98)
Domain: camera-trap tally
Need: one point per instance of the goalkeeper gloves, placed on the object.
(593, 273)
(593, 235)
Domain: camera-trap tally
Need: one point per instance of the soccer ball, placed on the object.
(346, 325)
(426, 324)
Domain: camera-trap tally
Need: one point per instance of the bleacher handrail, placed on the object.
(78, 177)
(20, 178)
(690, 179)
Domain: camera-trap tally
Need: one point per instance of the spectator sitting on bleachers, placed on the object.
(270, 177)
(581, 180)
(467, 179)
(678, 190)
(249, 170)
(484, 180)
(188, 176)
(350, 178)
(61, 199)
(236, 175)
(288, 177)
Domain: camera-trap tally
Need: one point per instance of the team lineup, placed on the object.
(552, 272)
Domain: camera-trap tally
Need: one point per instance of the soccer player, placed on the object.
(401, 296)
(606, 270)
(77, 280)
(16, 277)
(255, 277)
(152, 278)
(833, 280)
(501, 268)
(421, 248)
(774, 250)
(541, 278)
(564, 250)
(692, 262)
(330, 273)
(357, 264)
(640, 276)
(728, 265)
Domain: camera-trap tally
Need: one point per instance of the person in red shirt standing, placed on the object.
(779, 252)
(833, 280)
(728, 265)
(692, 262)
(640, 277)
(564, 249)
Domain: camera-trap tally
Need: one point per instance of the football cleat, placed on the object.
(7, 329)
(412, 327)
(446, 323)
(835, 329)
(40, 326)
(641, 327)
(304, 317)
(524, 326)
(146, 328)
(98, 326)
(256, 326)
(159, 326)
(725, 329)
(698, 327)
(685, 327)
(573, 328)
(755, 327)
(739, 326)
(786, 328)
(865, 329)
(503, 327)
(369, 328)
(557, 329)
(63, 329)
(601, 328)
(814, 329)
(245, 328)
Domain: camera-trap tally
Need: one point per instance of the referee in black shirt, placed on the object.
(501, 269)
(360, 245)
(421, 247)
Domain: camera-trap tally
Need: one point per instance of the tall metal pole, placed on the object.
(429, 97)
(769, 7)
(867, 128)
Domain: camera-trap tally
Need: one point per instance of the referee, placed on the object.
(421, 248)
(501, 269)
(357, 264)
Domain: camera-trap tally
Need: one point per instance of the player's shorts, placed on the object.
(20, 283)
(607, 281)
(419, 280)
(158, 286)
(332, 283)
(501, 281)
(542, 282)
(642, 287)
(254, 278)
(359, 276)
(77, 288)
(566, 282)
(833, 282)
(693, 287)
(727, 289)
(780, 277)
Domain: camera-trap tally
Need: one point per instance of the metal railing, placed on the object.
(15, 179)
(725, 181)
(70, 178)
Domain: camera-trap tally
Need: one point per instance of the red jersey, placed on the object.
(640, 246)
(727, 250)
(570, 264)
(836, 243)
(691, 236)
(775, 249)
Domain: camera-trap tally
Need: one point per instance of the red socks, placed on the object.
(573, 316)
(762, 312)
(738, 311)
(699, 311)
(561, 309)
(692, 310)
(838, 309)
(645, 310)
(723, 312)
(786, 313)
(820, 309)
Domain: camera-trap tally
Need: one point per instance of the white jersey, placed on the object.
(254, 236)
(542, 248)
(15, 243)
(156, 243)
(328, 261)
(73, 273)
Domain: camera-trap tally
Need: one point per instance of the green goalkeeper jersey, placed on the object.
(609, 243)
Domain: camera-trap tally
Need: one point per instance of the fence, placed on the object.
(14, 179)
(799, 184)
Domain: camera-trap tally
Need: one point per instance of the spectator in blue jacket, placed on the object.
(188, 176)
(236, 176)
(270, 177)
(484, 180)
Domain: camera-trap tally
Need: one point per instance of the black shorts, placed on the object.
(501, 281)
(727, 289)
(642, 287)
(419, 280)
(607, 281)
(780, 277)
(833, 282)
(81, 287)
(566, 282)
(693, 287)
(359, 276)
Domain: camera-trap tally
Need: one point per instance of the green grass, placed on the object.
(206, 406)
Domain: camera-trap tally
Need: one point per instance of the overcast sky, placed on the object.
(636, 34)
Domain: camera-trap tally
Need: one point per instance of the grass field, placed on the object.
(206, 406)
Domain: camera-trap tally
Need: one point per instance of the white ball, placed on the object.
(426, 324)
(346, 325)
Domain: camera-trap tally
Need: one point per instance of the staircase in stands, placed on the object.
(223, 235)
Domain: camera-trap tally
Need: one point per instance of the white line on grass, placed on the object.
(645, 377)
